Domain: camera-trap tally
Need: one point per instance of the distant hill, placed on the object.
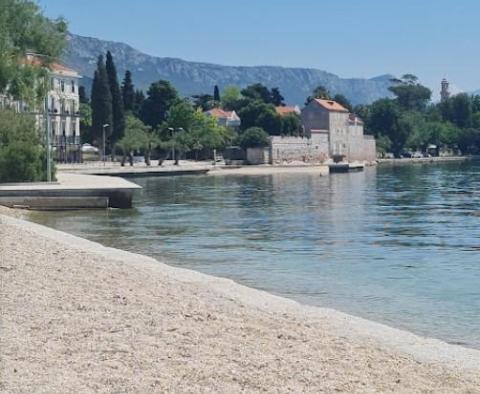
(193, 77)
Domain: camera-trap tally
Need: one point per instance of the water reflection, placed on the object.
(398, 245)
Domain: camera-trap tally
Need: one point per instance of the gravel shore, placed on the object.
(77, 317)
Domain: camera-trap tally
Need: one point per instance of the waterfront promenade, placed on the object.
(78, 317)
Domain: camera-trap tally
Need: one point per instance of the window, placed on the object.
(73, 86)
(62, 85)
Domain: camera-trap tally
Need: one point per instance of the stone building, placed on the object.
(343, 130)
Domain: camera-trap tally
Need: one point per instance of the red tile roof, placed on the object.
(55, 67)
(219, 113)
(331, 105)
(284, 110)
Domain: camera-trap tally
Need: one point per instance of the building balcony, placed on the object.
(68, 140)
(56, 112)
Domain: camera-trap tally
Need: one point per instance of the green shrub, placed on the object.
(254, 137)
(20, 162)
(22, 157)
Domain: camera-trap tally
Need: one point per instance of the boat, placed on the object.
(356, 166)
(339, 167)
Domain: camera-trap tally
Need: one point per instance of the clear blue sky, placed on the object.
(352, 38)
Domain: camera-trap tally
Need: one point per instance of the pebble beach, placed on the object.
(77, 317)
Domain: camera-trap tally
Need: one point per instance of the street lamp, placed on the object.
(47, 142)
(172, 130)
(103, 128)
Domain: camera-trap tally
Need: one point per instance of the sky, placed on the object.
(432, 39)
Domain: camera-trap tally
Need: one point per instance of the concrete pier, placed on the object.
(71, 191)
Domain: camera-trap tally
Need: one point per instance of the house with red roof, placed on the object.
(284, 110)
(225, 118)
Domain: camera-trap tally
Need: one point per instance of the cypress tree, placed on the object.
(216, 94)
(161, 95)
(82, 95)
(138, 102)
(101, 101)
(128, 92)
(118, 114)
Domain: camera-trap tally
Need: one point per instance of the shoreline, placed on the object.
(424, 160)
(268, 169)
(376, 340)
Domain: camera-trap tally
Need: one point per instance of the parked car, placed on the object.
(417, 155)
(406, 155)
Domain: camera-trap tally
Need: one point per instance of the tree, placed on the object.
(469, 141)
(399, 136)
(259, 92)
(216, 94)
(459, 110)
(160, 97)
(128, 92)
(229, 98)
(207, 134)
(86, 123)
(204, 101)
(181, 115)
(22, 157)
(277, 98)
(101, 101)
(259, 114)
(291, 124)
(82, 95)
(383, 144)
(384, 120)
(138, 102)
(118, 116)
(410, 94)
(320, 92)
(270, 121)
(24, 29)
(134, 138)
(254, 137)
(362, 111)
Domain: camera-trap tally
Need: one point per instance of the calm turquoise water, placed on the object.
(396, 245)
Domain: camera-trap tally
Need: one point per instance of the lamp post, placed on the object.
(172, 130)
(103, 148)
(47, 142)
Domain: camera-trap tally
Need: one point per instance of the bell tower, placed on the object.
(445, 92)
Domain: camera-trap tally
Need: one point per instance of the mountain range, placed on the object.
(194, 77)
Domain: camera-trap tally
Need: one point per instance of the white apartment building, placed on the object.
(63, 115)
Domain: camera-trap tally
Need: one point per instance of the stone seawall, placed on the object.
(294, 149)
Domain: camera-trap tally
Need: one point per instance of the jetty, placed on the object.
(70, 191)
